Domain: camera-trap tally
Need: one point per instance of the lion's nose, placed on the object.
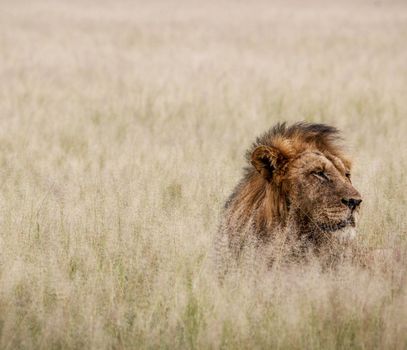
(352, 203)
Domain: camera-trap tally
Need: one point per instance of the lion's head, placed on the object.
(306, 167)
(298, 180)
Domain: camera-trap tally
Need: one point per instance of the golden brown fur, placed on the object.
(298, 182)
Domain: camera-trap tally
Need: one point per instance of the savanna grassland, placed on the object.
(123, 127)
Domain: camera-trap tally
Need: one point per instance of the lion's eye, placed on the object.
(321, 175)
(347, 175)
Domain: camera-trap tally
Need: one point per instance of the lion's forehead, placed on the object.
(338, 163)
(314, 158)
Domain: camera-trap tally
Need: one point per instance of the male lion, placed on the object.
(298, 187)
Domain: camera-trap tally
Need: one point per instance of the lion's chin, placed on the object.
(345, 234)
(344, 230)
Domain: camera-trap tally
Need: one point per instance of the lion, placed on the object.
(298, 186)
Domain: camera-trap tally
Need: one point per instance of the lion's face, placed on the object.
(321, 192)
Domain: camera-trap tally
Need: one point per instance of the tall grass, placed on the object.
(123, 127)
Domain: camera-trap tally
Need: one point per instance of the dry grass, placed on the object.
(122, 130)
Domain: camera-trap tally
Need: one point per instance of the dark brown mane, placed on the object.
(298, 137)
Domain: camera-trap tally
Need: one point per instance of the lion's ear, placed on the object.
(267, 160)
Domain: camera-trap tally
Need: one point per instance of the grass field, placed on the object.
(123, 127)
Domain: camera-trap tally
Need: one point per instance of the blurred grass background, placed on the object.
(123, 127)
